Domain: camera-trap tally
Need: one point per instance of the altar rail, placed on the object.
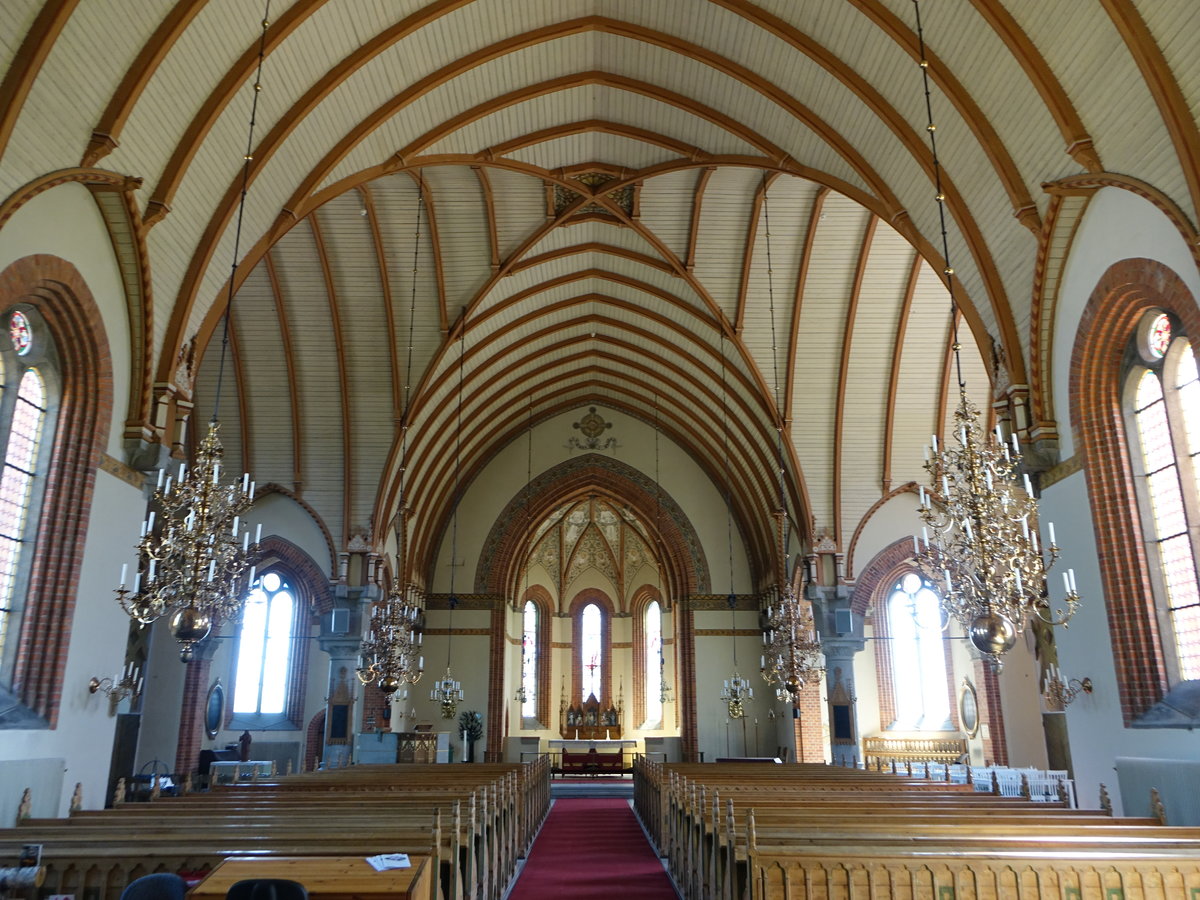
(878, 749)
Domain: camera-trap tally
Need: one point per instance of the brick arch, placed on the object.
(314, 584)
(877, 577)
(545, 606)
(56, 289)
(1121, 295)
(581, 600)
(274, 488)
(678, 544)
(642, 598)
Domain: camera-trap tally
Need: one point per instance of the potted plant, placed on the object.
(470, 726)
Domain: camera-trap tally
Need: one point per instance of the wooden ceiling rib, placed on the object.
(1172, 105)
(478, 117)
(289, 357)
(25, 65)
(1075, 135)
(107, 134)
(839, 435)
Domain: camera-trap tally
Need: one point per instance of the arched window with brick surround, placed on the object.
(591, 617)
(28, 413)
(268, 670)
(1162, 406)
(55, 411)
(1127, 456)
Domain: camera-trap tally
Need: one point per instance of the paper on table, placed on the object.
(386, 861)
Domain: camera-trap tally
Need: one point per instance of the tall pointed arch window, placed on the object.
(269, 658)
(1162, 404)
(591, 652)
(28, 407)
(920, 680)
(529, 661)
(653, 675)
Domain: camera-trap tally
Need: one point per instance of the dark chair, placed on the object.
(159, 886)
(266, 889)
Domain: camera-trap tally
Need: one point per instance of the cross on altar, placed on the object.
(592, 667)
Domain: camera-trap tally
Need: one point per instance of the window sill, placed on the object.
(1180, 708)
(261, 722)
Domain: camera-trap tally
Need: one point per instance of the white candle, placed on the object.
(967, 525)
(1066, 582)
(167, 489)
(1053, 542)
(182, 472)
(1015, 445)
(212, 568)
(925, 535)
(150, 522)
(137, 581)
(949, 586)
(258, 534)
(1017, 573)
(245, 482)
(945, 487)
(153, 564)
(245, 541)
(1028, 484)
(935, 446)
(252, 484)
(1071, 575)
(124, 572)
(160, 478)
(420, 663)
(216, 473)
(236, 521)
(916, 546)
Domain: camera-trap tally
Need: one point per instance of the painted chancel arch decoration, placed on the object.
(558, 491)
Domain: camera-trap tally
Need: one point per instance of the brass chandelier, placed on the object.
(195, 561)
(791, 644)
(979, 540)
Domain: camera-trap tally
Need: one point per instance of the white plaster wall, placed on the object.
(679, 475)
(717, 734)
(65, 221)
(280, 515)
(81, 744)
(1118, 225)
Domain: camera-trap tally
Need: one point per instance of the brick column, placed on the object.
(191, 713)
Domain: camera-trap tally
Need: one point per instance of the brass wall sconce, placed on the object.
(1060, 691)
(118, 687)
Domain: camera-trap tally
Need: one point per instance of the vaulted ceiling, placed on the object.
(573, 197)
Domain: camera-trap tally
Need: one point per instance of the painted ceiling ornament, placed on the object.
(592, 426)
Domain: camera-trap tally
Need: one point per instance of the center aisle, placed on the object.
(592, 848)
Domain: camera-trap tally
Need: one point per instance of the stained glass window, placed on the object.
(1166, 417)
(20, 332)
(16, 488)
(922, 689)
(1158, 337)
(265, 647)
(654, 646)
(591, 651)
(529, 660)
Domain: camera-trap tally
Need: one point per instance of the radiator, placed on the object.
(1177, 780)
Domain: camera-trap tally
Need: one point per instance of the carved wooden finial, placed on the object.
(751, 831)
(155, 787)
(288, 769)
(187, 783)
(77, 797)
(1026, 791)
(1156, 806)
(1064, 796)
(995, 782)
(118, 797)
(1105, 800)
(25, 807)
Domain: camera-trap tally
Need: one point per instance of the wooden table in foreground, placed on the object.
(325, 877)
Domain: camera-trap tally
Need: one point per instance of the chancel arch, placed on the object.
(600, 545)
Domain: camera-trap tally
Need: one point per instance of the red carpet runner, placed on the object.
(592, 849)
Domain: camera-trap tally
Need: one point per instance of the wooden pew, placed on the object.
(474, 823)
(804, 832)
